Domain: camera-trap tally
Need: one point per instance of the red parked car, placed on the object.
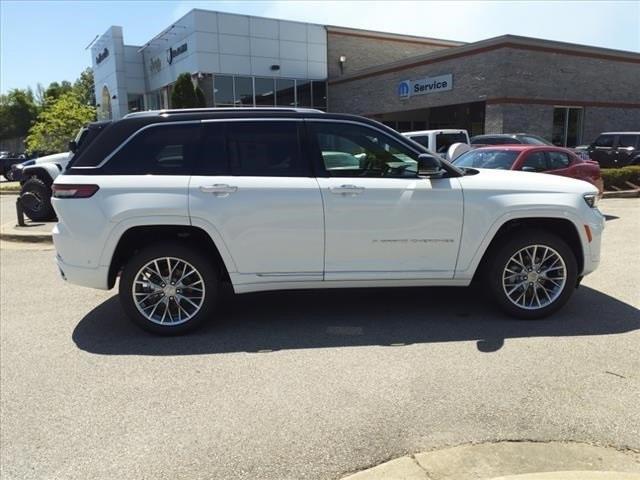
(533, 158)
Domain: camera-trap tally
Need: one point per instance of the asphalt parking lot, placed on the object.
(308, 385)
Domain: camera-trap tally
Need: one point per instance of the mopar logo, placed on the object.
(174, 52)
(102, 55)
(423, 86)
(404, 88)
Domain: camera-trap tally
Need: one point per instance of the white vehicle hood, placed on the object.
(59, 158)
(523, 182)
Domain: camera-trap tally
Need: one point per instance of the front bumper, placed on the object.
(592, 248)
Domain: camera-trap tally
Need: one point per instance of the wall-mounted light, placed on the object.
(114, 97)
(275, 67)
(342, 60)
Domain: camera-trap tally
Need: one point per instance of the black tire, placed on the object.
(36, 200)
(503, 254)
(9, 175)
(176, 250)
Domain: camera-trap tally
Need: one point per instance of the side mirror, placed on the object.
(73, 146)
(429, 165)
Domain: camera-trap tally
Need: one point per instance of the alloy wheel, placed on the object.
(534, 277)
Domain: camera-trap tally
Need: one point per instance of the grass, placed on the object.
(10, 187)
(616, 177)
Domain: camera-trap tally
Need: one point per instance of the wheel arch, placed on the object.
(562, 227)
(137, 237)
(46, 173)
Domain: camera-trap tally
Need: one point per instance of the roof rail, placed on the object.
(167, 112)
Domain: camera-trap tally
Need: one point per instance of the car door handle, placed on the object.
(347, 190)
(218, 189)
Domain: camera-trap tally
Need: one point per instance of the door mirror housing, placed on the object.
(429, 165)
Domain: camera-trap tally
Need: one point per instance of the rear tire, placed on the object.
(9, 175)
(169, 288)
(36, 200)
(533, 274)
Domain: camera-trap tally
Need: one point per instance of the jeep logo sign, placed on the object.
(441, 83)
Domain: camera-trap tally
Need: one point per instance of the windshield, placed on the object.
(445, 140)
(534, 140)
(499, 159)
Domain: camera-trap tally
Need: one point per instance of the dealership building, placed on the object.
(564, 92)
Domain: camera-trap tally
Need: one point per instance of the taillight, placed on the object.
(73, 191)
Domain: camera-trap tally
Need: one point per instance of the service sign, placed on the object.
(440, 83)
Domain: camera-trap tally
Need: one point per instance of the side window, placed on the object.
(421, 139)
(266, 149)
(557, 160)
(626, 141)
(213, 158)
(157, 150)
(536, 161)
(350, 150)
(604, 141)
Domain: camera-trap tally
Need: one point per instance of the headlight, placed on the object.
(591, 199)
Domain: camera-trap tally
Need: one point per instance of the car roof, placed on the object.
(440, 130)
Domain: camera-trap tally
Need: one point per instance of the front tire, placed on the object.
(533, 274)
(168, 288)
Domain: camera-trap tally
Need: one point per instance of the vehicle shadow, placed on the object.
(263, 322)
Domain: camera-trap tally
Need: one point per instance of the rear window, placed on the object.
(494, 141)
(498, 159)
(534, 140)
(158, 150)
(445, 140)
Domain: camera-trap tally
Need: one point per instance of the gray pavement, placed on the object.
(308, 385)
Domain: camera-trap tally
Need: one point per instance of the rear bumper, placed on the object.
(85, 277)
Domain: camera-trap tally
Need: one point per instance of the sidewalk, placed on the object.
(33, 232)
(511, 461)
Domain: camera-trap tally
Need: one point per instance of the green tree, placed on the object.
(55, 90)
(58, 123)
(84, 87)
(183, 94)
(201, 101)
(18, 111)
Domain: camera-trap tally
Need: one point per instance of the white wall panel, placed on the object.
(235, 64)
(233, 24)
(293, 31)
(263, 27)
(264, 47)
(235, 44)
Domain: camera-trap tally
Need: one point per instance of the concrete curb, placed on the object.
(511, 461)
(12, 233)
(622, 194)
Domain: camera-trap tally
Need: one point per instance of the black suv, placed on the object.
(508, 139)
(616, 149)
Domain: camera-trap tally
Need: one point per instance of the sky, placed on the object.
(44, 41)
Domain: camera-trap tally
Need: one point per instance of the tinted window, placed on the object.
(604, 141)
(265, 149)
(223, 91)
(213, 158)
(244, 91)
(285, 93)
(627, 140)
(304, 93)
(557, 160)
(536, 161)
(422, 140)
(494, 141)
(349, 150)
(158, 150)
(498, 159)
(445, 140)
(265, 96)
(319, 95)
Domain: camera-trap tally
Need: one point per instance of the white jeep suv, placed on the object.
(176, 202)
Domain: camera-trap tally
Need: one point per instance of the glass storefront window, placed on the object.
(244, 92)
(320, 95)
(135, 103)
(285, 93)
(304, 93)
(567, 126)
(223, 91)
(265, 92)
